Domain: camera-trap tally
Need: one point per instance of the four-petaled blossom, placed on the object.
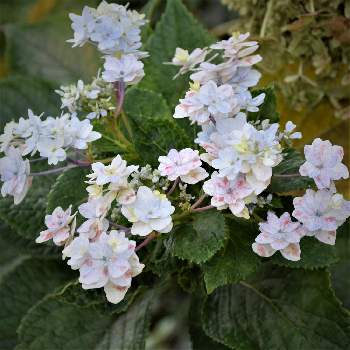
(233, 194)
(188, 61)
(58, 226)
(184, 164)
(116, 173)
(127, 69)
(279, 234)
(323, 163)
(209, 101)
(94, 211)
(150, 211)
(321, 213)
(109, 262)
(14, 172)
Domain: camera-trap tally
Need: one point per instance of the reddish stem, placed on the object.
(198, 210)
(120, 95)
(148, 239)
(198, 202)
(173, 187)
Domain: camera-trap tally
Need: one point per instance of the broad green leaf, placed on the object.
(21, 288)
(286, 178)
(154, 130)
(236, 261)
(279, 309)
(314, 255)
(69, 189)
(199, 340)
(176, 28)
(268, 109)
(340, 270)
(17, 94)
(27, 218)
(200, 240)
(55, 324)
(41, 50)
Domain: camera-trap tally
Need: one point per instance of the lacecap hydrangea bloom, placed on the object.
(184, 164)
(279, 234)
(151, 211)
(321, 212)
(323, 163)
(110, 262)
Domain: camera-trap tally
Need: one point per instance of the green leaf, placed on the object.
(27, 218)
(55, 324)
(69, 188)
(154, 130)
(314, 255)
(201, 239)
(176, 28)
(22, 287)
(282, 180)
(236, 261)
(17, 94)
(199, 340)
(340, 271)
(51, 57)
(281, 309)
(268, 110)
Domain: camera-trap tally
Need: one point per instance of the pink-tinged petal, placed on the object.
(263, 250)
(114, 294)
(327, 237)
(292, 252)
(44, 236)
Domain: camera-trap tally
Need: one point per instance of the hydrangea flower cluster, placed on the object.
(219, 98)
(107, 258)
(115, 31)
(51, 138)
(319, 213)
(234, 170)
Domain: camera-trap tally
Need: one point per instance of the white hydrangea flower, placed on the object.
(82, 26)
(184, 164)
(244, 78)
(249, 103)
(323, 163)
(151, 211)
(187, 61)
(70, 95)
(29, 129)
(14, 173)
(116, 173)
(232, 194)
(321, 213)
(52, 149)
(109, 262)
(209, 101)
(112, 27)
(236, 46)
(8, 137)
(289, 132)
(82, 133)
(95, 211)
(58, 226)
(279, 234)
(127, 69)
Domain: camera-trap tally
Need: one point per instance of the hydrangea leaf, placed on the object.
(286, 179)
(268, 110)
(27, 218)
(199, 340)
(21, 288)
(200, 240)
(176, 28)
(69, 189)
(280, 309)
(314, 255)
(17, 94)
(154, 130)
(340, 270)
(56, 324)
(236, 261)
(50, 56)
